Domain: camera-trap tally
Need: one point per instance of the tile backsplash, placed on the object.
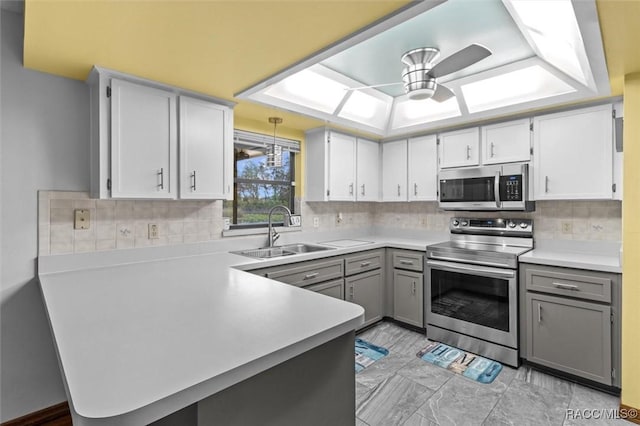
(117, 224)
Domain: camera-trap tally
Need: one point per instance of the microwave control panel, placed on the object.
(511, 188)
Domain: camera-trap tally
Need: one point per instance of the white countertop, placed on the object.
(143, 333)
(595, 256)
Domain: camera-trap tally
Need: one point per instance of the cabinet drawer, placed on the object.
(573, 283)
(407, 260)
(309, 273)
(363, 262)
(332, 288)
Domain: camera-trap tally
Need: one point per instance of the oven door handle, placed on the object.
(478, 262)
(475, 270)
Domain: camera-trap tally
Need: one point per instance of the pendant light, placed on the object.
(274, 151)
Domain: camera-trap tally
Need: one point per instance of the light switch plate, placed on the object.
(82, 219)
(295, 220)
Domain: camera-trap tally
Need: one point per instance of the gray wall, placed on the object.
(45, 132)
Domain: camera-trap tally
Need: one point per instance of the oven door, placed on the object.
(474, 300)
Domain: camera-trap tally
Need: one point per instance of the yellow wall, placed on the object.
(282, 131)
(631, 244)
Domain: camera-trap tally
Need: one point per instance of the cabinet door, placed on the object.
(332, 289)
(205, 143)
(143, 141)
(342, 167)
(394, 171)
(506, 142)
(407, 297)
(366, 290)
(460, 148)
(367, 170)
(570, 335)
(573, 154)
(423, 168)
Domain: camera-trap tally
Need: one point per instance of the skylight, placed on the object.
(553, 29)
(411, 113)
(367, 109)
(524, 85)
(310, 89)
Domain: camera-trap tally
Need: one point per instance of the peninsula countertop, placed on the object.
(139, 341)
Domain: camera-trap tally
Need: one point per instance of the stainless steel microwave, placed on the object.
(497, 187)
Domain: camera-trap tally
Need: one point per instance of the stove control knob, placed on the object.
(512, 224)
(464, 223)
(523, 225)
(455, 222)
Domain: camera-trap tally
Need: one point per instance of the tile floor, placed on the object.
(401, 389)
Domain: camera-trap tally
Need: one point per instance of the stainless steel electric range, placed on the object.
(471, 291)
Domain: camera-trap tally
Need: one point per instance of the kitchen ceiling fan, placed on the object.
(420, 74)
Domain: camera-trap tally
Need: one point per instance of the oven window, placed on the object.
(471, 298)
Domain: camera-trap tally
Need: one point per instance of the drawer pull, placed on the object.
(566, 286)
(364, 264)
(413, 291)
(406, 262)
(310, 276)
(539, 312)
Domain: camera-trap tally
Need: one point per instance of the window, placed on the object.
(257, 186)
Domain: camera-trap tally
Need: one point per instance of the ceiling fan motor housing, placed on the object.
(418, 84)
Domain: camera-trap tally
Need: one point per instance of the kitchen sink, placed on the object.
(288, 250)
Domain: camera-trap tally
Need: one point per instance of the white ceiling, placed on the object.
(372, 56)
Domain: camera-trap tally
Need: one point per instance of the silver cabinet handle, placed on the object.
(415, 189)
(193, 185)
(406, 262)
(539, 312)
(364, 264)
(468, 152)
(413, 291)
(310, 276)
(492, 154)
(161, 173)
(351, 292)
(566, 286)
(398, 190)
(351, 189)
(546, 184)
(362, 189)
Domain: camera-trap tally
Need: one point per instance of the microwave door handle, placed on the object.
(496, 189)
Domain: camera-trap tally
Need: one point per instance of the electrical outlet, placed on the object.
(82, 219)
(153, 231)
(316, 222)
(339, 217)
(295, 220)
(567, 228)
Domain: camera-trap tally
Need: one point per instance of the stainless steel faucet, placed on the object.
(272, 234)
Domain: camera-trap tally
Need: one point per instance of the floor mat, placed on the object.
(368, 353)
(469, 365)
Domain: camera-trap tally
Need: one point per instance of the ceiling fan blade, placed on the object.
(372, 87)
(459, 60)
(442, 94)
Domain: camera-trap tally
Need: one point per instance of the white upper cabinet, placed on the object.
(506, 142)
(206, 149)
(423, 168)
(136, 137)
(342, 167)
(368, 170)
(143, 141)
(573, 154)
(460, 148)
(394, 171)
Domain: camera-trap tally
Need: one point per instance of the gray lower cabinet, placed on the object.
(365, 289)
(332, 288)
(407, 297)
(570, 321)
(408, 286)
